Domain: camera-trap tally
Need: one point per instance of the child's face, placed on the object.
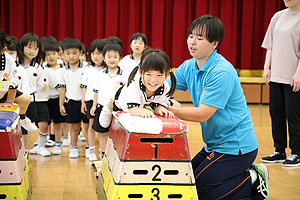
(51, 57)
(72, 55)
(31, 50)
(112, 58)
(200, 48)
(137, 46)
(82, 57)
(291, 3)
(153, 80)
(97, 57)
(12, 53)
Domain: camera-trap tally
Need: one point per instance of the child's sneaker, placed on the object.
(43, 152)
(65, 142)
(92, 157)
(34, 150)
(292, 161)
(274, 158)
(260, 187)
(50, 143)
(73, 153)
(56, 150)
(105, 117)
(81, 137)
(28, 125)
(35, 143)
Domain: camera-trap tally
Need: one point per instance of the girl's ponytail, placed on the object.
(173, 84)
(132, 75)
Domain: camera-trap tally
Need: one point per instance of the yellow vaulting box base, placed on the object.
(108, 189)
(18, 192)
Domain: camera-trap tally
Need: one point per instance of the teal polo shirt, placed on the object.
(230, 129)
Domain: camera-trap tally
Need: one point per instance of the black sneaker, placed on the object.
(292, 161)
(260, 187)
(274, 158)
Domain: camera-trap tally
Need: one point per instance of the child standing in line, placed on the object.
(53, 72)
(30, 57)
(9, 84)
(138, 44)
(146, 87)
(30, 51)
(109, 81)
(90, 76)
(70, 89)
(66, 129)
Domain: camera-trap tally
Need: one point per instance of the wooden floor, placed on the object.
(61, 178)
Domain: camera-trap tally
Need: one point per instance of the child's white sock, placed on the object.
(42, 139)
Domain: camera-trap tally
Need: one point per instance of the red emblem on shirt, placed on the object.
(34, 74)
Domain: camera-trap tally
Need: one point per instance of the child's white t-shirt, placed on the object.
(134, 95)
(38, 82)
(108, 84)
(127, 64)
(71, 81)
(89, 80)
(8, 74)
(24, 82)
(54, 76)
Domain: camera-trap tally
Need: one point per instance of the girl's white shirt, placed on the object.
(38, 83)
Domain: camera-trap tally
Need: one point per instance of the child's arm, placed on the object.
(11, 93)
(83, 105)
(142, 112)
(62, 96)
(95, 102)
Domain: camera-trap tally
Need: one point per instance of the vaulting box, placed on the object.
(160, 138)
(150, 172)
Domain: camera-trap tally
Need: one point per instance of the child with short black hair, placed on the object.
(110, 80)
(70, 89)
(13, 46)
(53, 72)
(138, 44)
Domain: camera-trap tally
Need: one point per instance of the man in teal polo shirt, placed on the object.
(224, 168)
